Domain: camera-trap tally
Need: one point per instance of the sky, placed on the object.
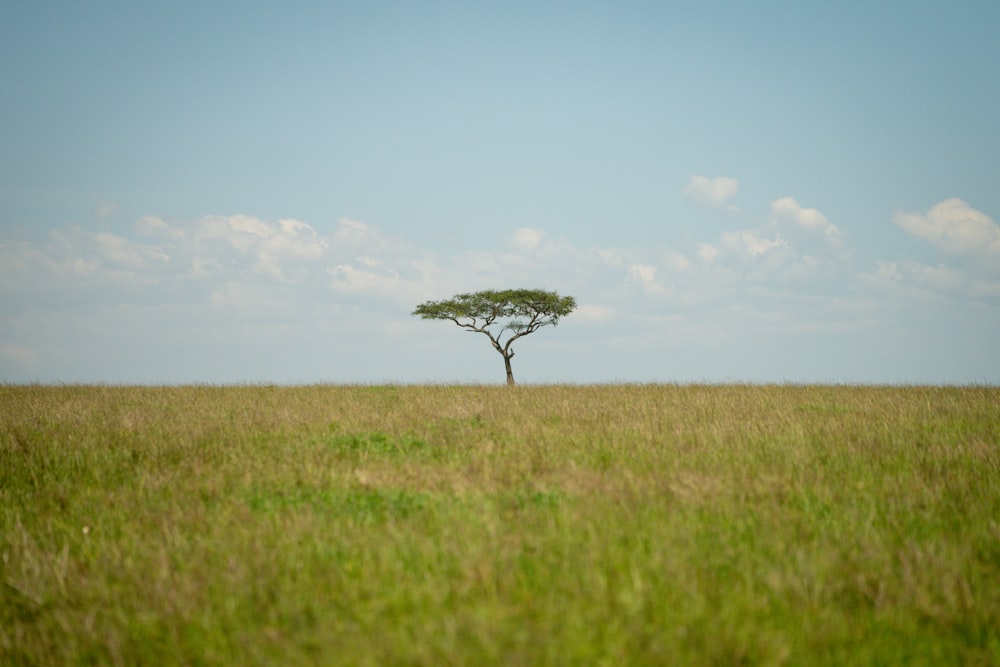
(257, 192)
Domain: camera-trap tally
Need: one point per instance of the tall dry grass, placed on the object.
(614, 524)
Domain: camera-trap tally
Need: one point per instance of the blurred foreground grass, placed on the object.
(480, 525)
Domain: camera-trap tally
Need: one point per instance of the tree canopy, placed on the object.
(517, 312)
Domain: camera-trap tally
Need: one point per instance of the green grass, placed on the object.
(477, 525)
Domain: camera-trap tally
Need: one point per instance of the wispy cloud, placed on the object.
(270, 280)
(527, 238)
(128, 253)
(707, 251)
(644, 275)
(151, 225)
(353, 259)
(926, 282)
(104, 208)
(751, 243)
(717, 192)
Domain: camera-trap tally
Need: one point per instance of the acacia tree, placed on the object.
(518, 312)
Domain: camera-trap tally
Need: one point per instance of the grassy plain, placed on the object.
(482, 525)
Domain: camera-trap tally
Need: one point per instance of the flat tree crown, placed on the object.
(491, 305)
(518, 311)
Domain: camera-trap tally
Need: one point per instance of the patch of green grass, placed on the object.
(352, 503)
(375, 444)
(551, 525)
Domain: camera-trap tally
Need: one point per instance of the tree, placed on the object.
(493, 312)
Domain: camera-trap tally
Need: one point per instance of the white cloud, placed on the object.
(379, 281)
(357, 261)
(924, 281)
(240, 279)
(885, 273)
(713, 191)
(276, 249)
(807, 217)
(749, 243)
(644, 275)
(151, 225)
(707, 251)
(234, 231)
(245, 224)
(128, 253)
(291, 243)
(786, 210)
(240, 231)
(351, 232)
(954, 227)
(676, 261)
(352, 238)
(527, 238)
(796, 246)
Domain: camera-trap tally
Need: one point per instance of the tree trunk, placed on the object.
(510, 373)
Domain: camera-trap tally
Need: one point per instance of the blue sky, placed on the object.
(227, 192)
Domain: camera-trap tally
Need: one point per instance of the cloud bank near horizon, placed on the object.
(240, 282)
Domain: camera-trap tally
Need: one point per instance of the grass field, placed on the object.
(482, 525)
